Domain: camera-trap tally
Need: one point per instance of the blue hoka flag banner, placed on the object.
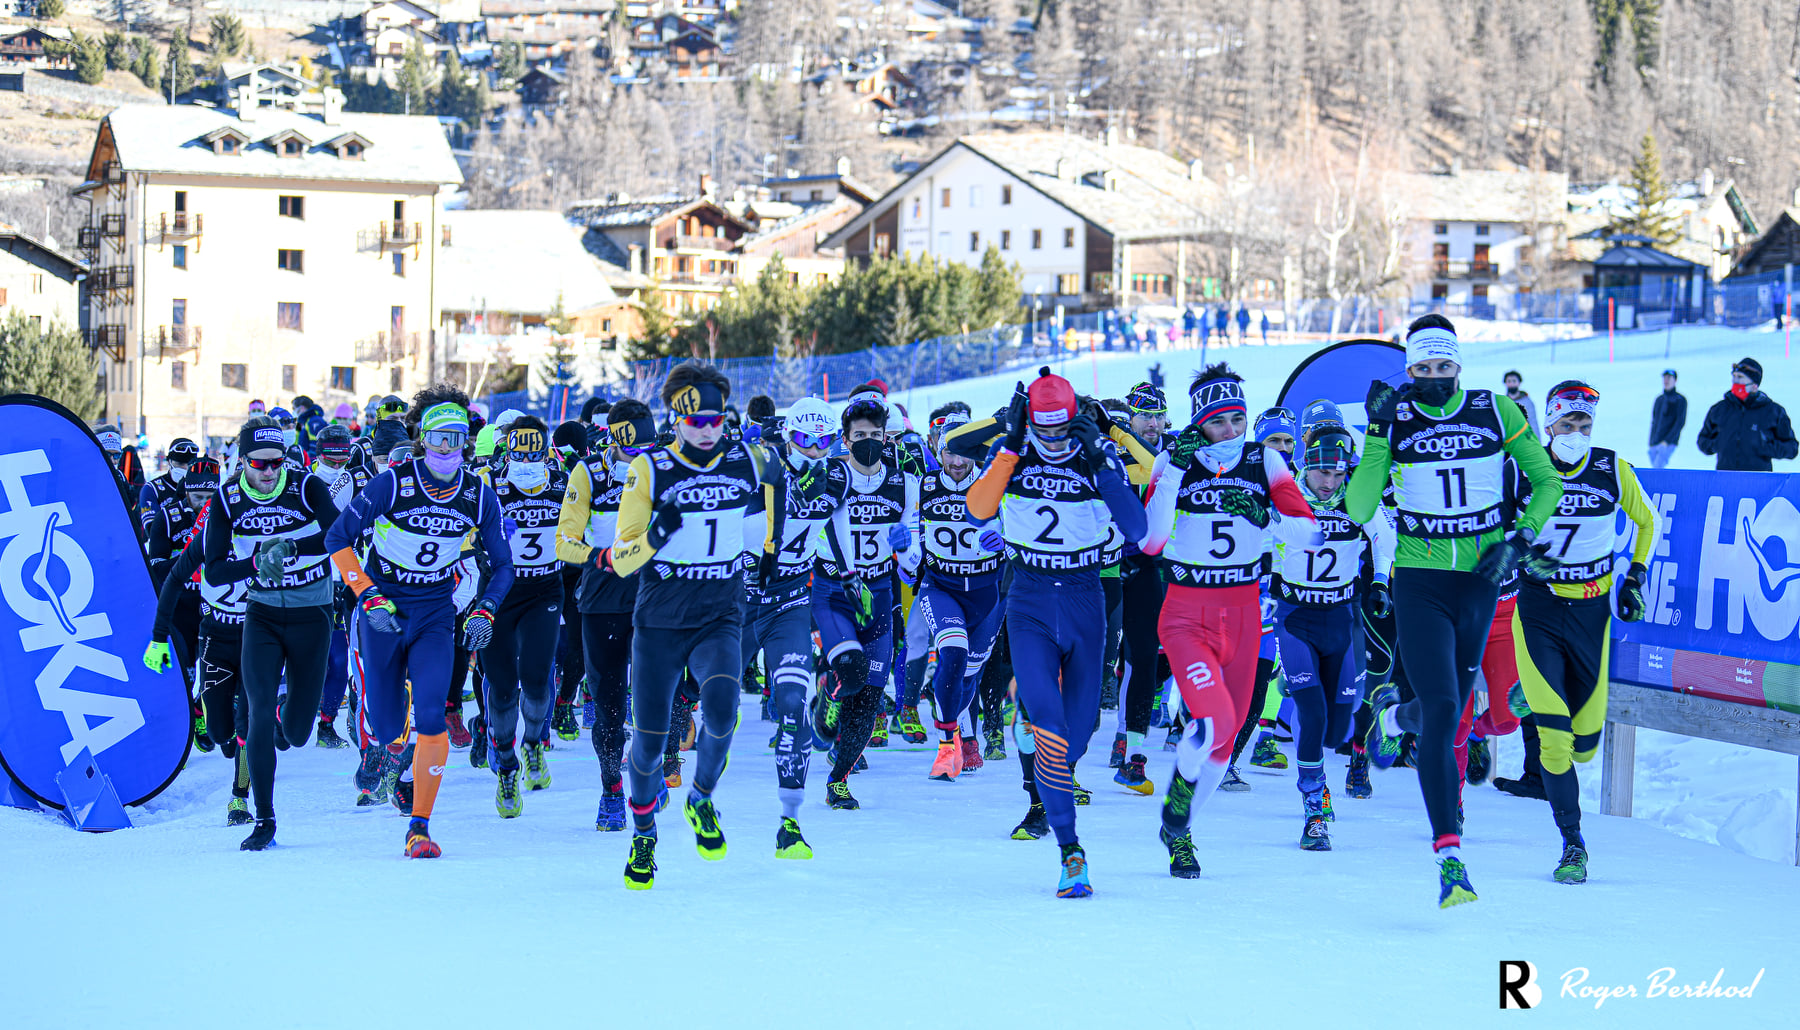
(1341, 373)
(76, 607)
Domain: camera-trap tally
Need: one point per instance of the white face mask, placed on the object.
(1571, 447)
(290, 435)
(527, 475)
(801, 462)
(1225, 453)
(177, 473)
(326, 472)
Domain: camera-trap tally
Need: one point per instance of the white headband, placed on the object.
(1432, 343)
(1557, 407)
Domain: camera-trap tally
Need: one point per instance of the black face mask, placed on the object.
(1435, 392)
(697, 455)
(867, 452)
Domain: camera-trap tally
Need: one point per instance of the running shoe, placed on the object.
(537, 768)
(1481, 761)
(564, 720)
(1117, 759)
(369, 768)
(202, 742)
(672, 773)
(507, 799)
(1109, 691)
(1325, 804)
(478, 749)
(237, 812)
(709, 839)
(995, 747)
(837, 795)
(1233, 782)
(1515, 701)
(693, 730)
(402, 796)
(261, 838)
(1454, 887)
(1173, 738)
(1530, 785)
(328, 736)
(1573, 866)
(824, 721)
(971, 754)
(1182, 863)
(789, 843)
(1074, 882)
(879, 738)
(460, 737)
(1034, 826)
(611, 817)
(949, 762)
(1267, 755)
(1315, 837)
(1131, 776)
(1083, 796)
(1356, 780)
(1383, 747)
(909, 725)
(640, 868)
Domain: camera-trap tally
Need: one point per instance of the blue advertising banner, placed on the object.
(1341, 373)
(1725, 576)
(76, 612)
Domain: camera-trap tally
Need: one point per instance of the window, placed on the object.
(974, 242)
(400, 212)
(883, 244)
(234, 377)
(352, 151)
(178, 375)
(606, 325)
(288, 260)
(1440, 291)
(226, 146)
(944, 197)
(399, 264)
(179, 255)
(943, 245)
(287, 379)
(1068, 284)
(181, 201)
(1006, 239)
(917, 204)
(816, 195)
(1481, 266)
(1481, 229)
(1006, 193)
(396, 379)
(37, 282)
(343, 378)
(1480, 291)
(2, 296)
(293, 207)
(1068, 237)
(1440, 229)
(291, 147)
(287, 314)
(178, 311)
(974, 196)
(1037, 239)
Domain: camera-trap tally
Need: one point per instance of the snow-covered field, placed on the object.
(919, 909)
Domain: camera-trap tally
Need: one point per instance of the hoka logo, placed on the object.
(1756, 559)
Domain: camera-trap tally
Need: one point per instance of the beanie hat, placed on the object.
(1432, 343)
(1751, 368)
(1050, 399)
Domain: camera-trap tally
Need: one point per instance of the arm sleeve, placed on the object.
(220, 568)
(157, 545)
(1708, 440)
(499, 553)
(169, 595)
(147, 510)
(1383, 542)
(571, 522)
(1637, 508)
(1546, 485)
(340, 540)
(985, 494)
(630, 548)
(1121, 500)
(1370, 480)
(909, 562)
(1284, 492)
(1138, 471)
(1159, 506)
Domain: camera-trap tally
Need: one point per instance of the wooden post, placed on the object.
(1619, 753)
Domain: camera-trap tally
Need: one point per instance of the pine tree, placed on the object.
(178, 78)
(1649, 215)
(50, 10)
(557, 366)
(656, 334)
(900, 328)
(413, 81)
(118, 51)
(146, 65)
(228, 36)
(509, 62)
(49, 362)
(90, 60)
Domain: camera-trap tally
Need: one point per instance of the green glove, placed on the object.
(862, 600)
(1243, 503)
(1186, 445)
(1515, 701)
(156, 656)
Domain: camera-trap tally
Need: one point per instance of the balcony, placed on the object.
(1465, 270)
(113, 174)
(111, 277)
(390, 236)
(177, 339)
(113, 226)
(384, 348)
(110, 338)
(88, 237)
(180, 225)
(682, 241)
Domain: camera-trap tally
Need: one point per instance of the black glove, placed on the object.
(1631, 593)
(271, 559)
(1087, 434)
(768, 566)
(664, 521)
(1246, 505)
(1017, 413)
(1381, 599)
(1380, 402)
(478, 629)
(1186, 445)
(1518, 547)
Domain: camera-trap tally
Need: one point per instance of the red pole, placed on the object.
(1380, 321)
(828, 387)
(1609, 329)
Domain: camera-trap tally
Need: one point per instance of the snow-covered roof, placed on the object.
(516, 262)
(1501, 197)
(157, 138)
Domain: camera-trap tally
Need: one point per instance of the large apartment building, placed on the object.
(260, 253)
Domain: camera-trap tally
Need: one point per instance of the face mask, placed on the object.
(288, 436)
(1571, 447)
(1740, 390)
(1225, 453)
(443, 465)
(867, 452)
(698, 455)
(177, 473)
(800, 462)
(528, 476)
(326, 472)
(1434, 391)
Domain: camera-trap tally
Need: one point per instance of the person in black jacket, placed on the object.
(1746, 429)
(1668, 415)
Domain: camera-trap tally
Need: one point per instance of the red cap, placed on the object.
(1051, 399)
(874, 384)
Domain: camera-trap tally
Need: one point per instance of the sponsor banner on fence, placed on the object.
(76, 607)
(1341, 373)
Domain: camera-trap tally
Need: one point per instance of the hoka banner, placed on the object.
(76, 608)
(1341, 373)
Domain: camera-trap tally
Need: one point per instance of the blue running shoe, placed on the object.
(1383, 749)
(1074, 882)
(1453, 883)
(611, 818)
(1356, 780)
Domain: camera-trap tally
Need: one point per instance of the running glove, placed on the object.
(768, 566)
(156, 656)
(1381, 599)
(991, 539)
(1186, 445)
(1017, 414)
(1520, 547)
(664, 522)
(1631, 593)
(1087, 435)
(862, 600)
(271, 559)
(382, 615)
(508, 527)
(478, 629)
(1380, 405)
(1243, 503)
(899, 537)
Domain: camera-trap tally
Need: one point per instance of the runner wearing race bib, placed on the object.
(1212, 500)
(346, 480)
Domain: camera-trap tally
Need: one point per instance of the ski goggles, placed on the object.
(1575, 391)
(703, 421)
(265, 464)
(824, 441)
(391, 410)
(452, 438)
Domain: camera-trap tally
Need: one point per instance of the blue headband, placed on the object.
(1217, 395)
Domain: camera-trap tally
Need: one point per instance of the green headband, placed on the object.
(445, 418)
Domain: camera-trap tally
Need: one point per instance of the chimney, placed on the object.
(1195, 170)
(245, 94)
(843, 167)
(706, 185)
(1706, 182)
(1112, 136)
(1456, 166)
(636, 262)
(334, 105)
(1065, 169)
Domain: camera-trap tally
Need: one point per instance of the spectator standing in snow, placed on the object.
(1243, 321)
(1222, 324)
(1265, 327)
(1205, 324)
(1668, 414)
(1515, 390)
(1746, 429)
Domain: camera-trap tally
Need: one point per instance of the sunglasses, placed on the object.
(265, 464)
(703, 421)
(1576, 393)
(443, 438)
(527, 456)
(824, 440)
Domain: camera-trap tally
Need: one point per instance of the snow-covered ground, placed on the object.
(919, 909)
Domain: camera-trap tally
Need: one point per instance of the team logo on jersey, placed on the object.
(1481, 400)
(406, 488)
(1403, 411)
